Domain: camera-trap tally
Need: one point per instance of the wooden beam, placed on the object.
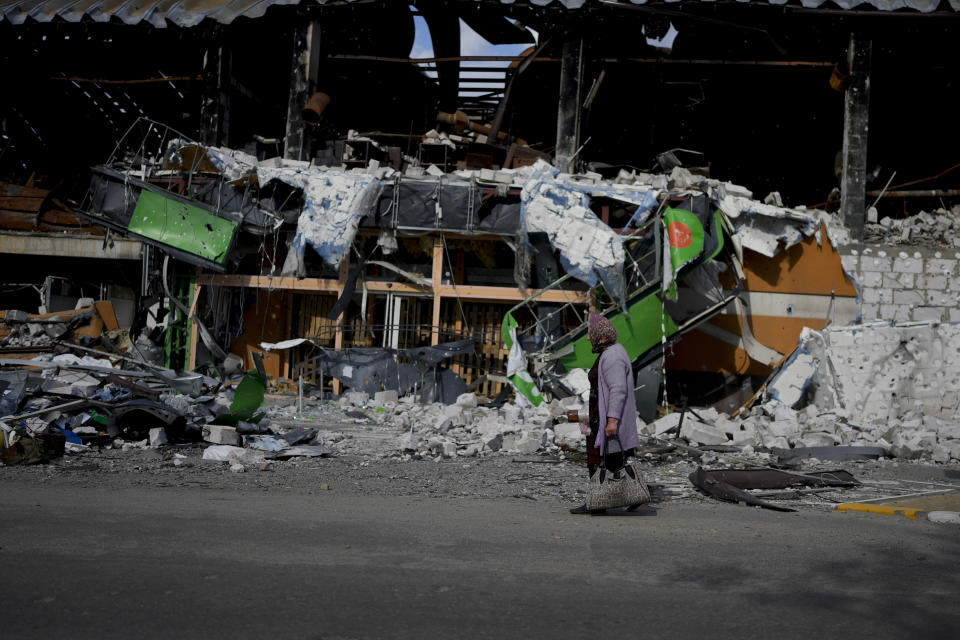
(437, 284)
(491, 293)
(856, 108)
(655, 61)
(338, 335)
(192, 360)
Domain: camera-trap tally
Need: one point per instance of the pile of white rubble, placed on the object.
(465, 429)
(939, 228)
(775, 426)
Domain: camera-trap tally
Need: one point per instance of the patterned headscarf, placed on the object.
(601, 333)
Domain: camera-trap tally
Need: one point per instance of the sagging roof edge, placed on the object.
(182, 14)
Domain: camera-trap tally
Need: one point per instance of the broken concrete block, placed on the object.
(665, 423)
(158, 437)
(236, 467)
(382, 397)
(493, 442)
(567, 434)
(467, 400)
(745, 434)
(453, 411)
(776, 442)
(940, 453)
(449, 449)
(357, 398)
(953, 446)
(510, 413)
(221, 434)
(783, 428)
(697, 432)
(409, 442)
(556, 409)
(529, 443)
(443, 424)
(469, 451)
(509, 442)
(819, 439)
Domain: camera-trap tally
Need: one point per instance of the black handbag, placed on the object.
(612, 488)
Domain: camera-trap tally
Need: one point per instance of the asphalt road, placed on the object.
(173, 562)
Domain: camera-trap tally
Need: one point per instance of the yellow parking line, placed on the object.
(881, 509)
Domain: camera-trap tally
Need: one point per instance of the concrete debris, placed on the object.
(937, 229)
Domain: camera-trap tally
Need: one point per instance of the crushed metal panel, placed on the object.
(802, 286)
(181, 225)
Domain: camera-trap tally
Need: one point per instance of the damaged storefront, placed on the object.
(427, 265)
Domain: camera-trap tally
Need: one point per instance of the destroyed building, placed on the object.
(284, 187)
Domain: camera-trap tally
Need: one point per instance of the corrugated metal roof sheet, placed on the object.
(189, 13)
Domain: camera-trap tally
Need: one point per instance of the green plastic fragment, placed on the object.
(247, 398)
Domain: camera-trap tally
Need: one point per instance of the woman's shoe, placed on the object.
(582, 509)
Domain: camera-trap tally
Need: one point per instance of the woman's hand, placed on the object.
(611, 429)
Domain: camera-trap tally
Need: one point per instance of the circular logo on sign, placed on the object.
(679, 234)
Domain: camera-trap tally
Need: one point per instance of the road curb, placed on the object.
(944, 517)
(940, 517)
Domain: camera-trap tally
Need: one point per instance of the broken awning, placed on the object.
(158, 12)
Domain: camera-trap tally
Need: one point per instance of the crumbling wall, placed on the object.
(905, 284)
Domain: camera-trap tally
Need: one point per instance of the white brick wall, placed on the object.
(906, 285)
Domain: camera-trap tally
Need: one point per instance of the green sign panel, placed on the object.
(182, 226)
(637, 330)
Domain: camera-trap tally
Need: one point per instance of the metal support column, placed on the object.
(303, 78)
(568, 109)
(214, 112)
(856, 109)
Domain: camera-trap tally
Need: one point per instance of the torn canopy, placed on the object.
(373, 369)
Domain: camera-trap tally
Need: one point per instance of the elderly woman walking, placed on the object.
(612, 406)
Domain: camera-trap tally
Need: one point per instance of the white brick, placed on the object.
(930, 281)
(908, 265)
(903, 313)
(911, 297)
(158, 437)
(870, 263)
(849, 262)
(954, 315)
(219, 434)
(942, 298)
(941, 267)
(872, 296)
(891, 281)
(870, 279)
(928, 314)
(869, 312)
(381, 397)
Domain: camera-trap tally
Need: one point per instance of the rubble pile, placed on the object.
(778, 429)
(466, 429)
(893, 386)
(941, 228)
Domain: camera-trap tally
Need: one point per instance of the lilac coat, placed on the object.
(615, 397)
